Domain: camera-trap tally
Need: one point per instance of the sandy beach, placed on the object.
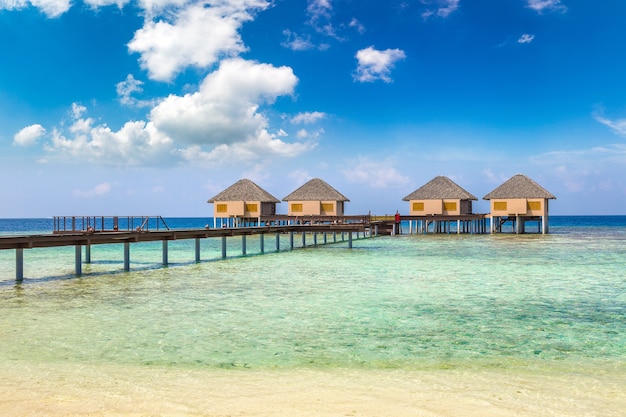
(61, 390)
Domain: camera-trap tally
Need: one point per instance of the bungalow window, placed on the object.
(418, 206)
(499, 206)
(252, 207)
(534, 205)
(449, 206)
(327, 207)
(296, 207)
(221, 208)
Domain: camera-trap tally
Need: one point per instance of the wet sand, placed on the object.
(60, 390)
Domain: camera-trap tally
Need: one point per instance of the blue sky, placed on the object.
(118, 107)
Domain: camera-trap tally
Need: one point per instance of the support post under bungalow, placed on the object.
(78, 261)
(126, 256)
(243, 244)
(303, 239)
(19, 264)
(165, 260)
(223, 247)
(197, 249)
(88, 253)
(291, 240)
(262, 241)
(277, 242)
(350, 240)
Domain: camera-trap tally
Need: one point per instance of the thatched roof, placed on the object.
(439, 188)
(519, 186)
(316, 190)
(244, 190)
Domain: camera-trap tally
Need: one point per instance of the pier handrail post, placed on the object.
(78, 253)
(126, 256)
(262, 242)
(165, 252)
(19, 265)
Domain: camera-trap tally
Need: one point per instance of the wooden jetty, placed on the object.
(435, 224)
(85, 231)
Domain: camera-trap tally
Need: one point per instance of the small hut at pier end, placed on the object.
(242, 202)
(440, 196)
(519, 200)
(316, 198)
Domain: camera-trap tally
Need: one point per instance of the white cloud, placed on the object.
(102, 3)
(526, 38)
(376, 65)
(125, 90)
(308, 117)
(617, 126)
(376, 174)
(98, 190)
(224, 109)
(137, 143)
(51, 8)
(303, 134)
(296, 42)
(320, 12)
(29, 135)
(541, 5)
(443, 8)
(354, 23)
(199, 36)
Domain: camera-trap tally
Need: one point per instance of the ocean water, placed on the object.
(542, 305)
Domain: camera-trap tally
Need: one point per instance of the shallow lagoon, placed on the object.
(405, 325)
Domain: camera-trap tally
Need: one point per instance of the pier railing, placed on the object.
(83, 224)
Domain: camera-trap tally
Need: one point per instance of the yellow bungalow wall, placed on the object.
(519, 206)
(223, 209)
(315, 208)
(448, 207)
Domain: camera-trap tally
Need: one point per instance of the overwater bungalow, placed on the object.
(519, 200)
(440, 196)
(244, 201)
(316, 198)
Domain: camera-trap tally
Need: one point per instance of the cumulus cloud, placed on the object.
(443, 8)
(526, 38)
(219, 123)
(98, 190)
(197, 36)
(617, 126)
(224, 109)
(137, 143)
(541, 5)
(375, 65)
(51, 8)
(308, 117)
(376, 174)
(29, 135)
(125, 90)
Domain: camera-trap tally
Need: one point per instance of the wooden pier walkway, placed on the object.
(81, 232)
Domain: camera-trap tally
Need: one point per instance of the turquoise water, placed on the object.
(409, 302)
